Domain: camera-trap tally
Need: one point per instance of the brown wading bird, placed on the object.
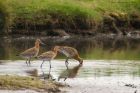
(70, 52)
(31, 52)
(48, 56)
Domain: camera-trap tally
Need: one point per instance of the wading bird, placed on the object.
(48, 56)
(31, 52)
(70, 52)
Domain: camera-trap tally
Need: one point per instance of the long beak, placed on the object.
(42, 43)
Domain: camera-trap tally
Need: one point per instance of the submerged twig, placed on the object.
(130, 85)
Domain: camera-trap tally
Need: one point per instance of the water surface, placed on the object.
(93, 76)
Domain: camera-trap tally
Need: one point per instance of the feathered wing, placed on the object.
(30, 52)
(68, 51)
(47, 55)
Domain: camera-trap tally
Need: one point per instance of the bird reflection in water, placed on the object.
(46, 76)
(70, 73)
(33, 72)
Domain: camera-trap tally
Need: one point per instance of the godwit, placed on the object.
(70, 52)
(48, 56)
(31, 52)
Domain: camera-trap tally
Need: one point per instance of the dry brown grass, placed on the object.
(19, 82)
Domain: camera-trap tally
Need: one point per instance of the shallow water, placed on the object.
(91, 68)
(94, 76)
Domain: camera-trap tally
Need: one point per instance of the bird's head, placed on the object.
(38, 41)
(81, 61)
(56, 48)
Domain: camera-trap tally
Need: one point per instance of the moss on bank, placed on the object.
(69, 14)
(18, 82)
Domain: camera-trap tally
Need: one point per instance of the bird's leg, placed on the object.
(27, 62)
(43, 73)
(65, 79)
(66, 62)
(58, 78)
(50, 67)
(42, 64)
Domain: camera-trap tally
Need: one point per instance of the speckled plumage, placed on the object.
(31, 52)
(70, 52)
(47, 56)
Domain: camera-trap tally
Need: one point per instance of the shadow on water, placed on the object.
(97, 47)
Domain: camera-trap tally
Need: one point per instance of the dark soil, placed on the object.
(116, 23)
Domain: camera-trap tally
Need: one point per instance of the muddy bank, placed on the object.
(116, 23)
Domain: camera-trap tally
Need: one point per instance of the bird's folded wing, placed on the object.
(29, 52)
(48, 54)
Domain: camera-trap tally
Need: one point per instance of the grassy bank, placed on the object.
(67, 14)
(18, 82)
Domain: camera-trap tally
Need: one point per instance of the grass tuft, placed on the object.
(19, 82)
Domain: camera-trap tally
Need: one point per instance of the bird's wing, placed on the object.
(49, 54)
(68, 51)
(29, 52)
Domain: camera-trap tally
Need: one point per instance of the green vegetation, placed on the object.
(65, 14)
(19, 82)
(120, 54)
(4, 15)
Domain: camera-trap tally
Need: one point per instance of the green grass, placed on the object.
(6, 17)
(121, 54)
(87, 8)
(68, 12)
